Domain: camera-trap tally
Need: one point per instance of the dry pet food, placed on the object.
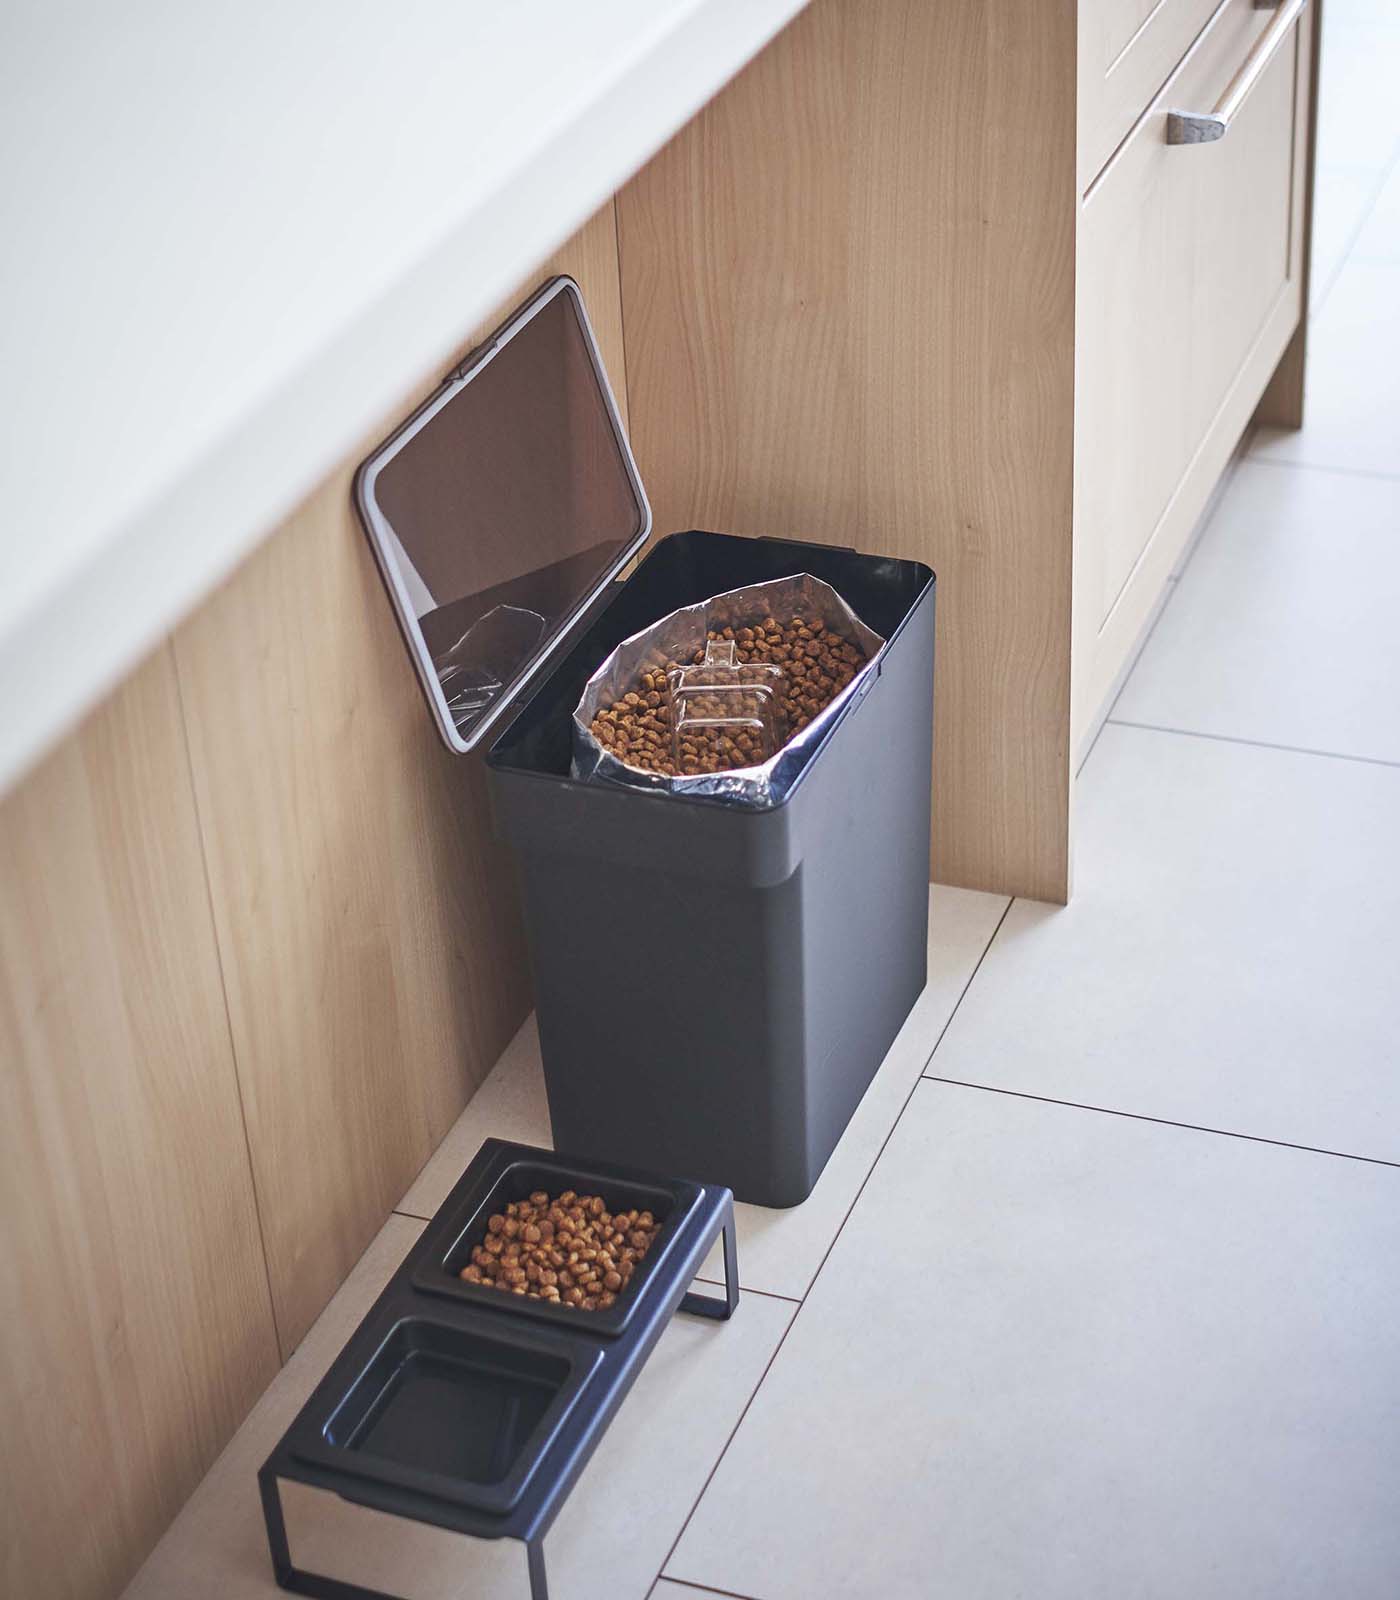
(571, 1251)
(816, 664)
(799, 672)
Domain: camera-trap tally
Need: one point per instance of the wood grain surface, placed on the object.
(364, 919)
(137, 1322)
(366, 910)
(848, 288)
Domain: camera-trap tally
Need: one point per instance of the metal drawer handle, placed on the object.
(1204, 127)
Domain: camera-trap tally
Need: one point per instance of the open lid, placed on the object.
(502, 508)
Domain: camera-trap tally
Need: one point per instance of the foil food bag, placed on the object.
(678, 637)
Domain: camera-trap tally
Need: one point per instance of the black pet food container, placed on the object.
(715, 984)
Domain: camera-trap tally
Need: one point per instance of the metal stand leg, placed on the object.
(534, 1556)
(705, 1305)
(276, 1528)
(315, 1584)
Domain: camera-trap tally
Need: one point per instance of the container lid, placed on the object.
(502, 508)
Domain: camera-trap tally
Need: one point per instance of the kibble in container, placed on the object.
(755, 677)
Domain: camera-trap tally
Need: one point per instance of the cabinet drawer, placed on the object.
(1127, 50)
(1189, 265)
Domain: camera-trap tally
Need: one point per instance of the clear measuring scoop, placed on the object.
(726, 713)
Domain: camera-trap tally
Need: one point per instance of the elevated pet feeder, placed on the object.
(473, 1410)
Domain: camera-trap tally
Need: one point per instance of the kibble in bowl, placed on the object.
(567, 1251)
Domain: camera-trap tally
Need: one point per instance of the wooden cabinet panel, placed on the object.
(367, 915)
(367, 930)
(1190, 282)
(850, 317)
(1127, 51)
(137, 1322)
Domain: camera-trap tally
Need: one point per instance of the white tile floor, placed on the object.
(1098, 1298)
(1059, 1353)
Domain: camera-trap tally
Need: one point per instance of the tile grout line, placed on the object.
(1257, 744)
(700, 1588)
(942, 1032)
(792, 1321)
(724, 1449)
(766, 1294)
(1286, 463)
(1164, 1122)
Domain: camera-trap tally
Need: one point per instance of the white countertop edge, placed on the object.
(94, 623)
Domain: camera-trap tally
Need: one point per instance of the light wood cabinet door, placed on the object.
(1189, 287)
(1127, 50)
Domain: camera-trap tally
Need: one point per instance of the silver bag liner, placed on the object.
(677, 638)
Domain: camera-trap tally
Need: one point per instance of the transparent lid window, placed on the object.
(502, 508)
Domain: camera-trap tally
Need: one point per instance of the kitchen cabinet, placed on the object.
(932, 280)
(1190, 287)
